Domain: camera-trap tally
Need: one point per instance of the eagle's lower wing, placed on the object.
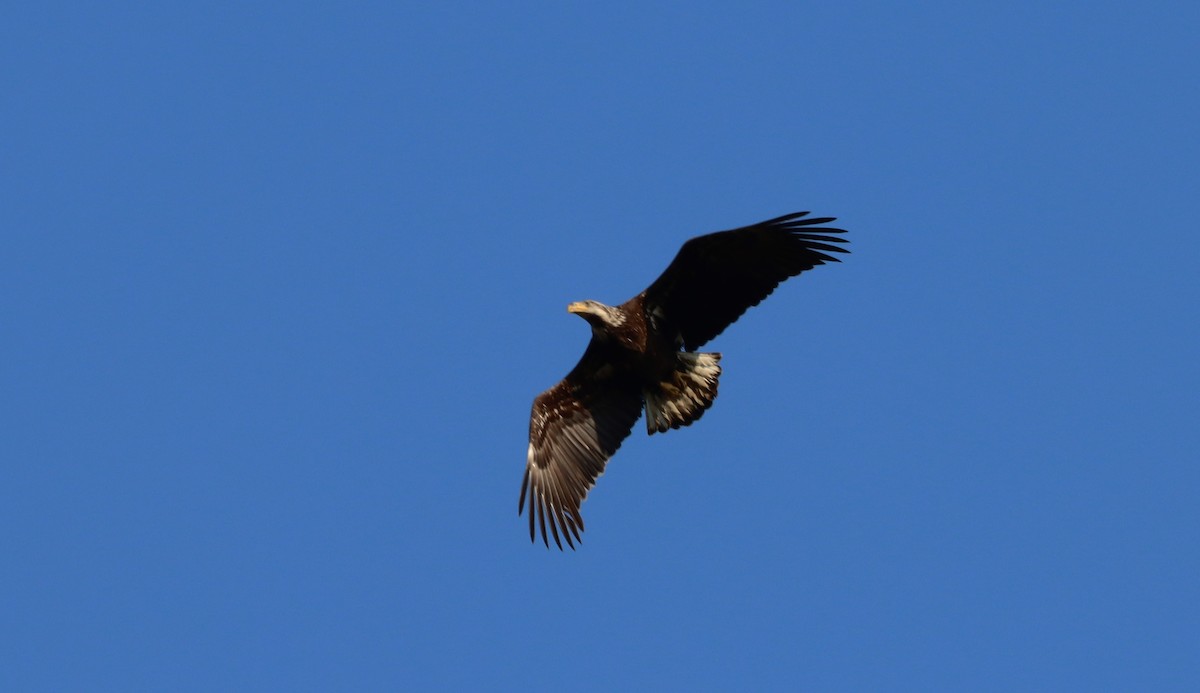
(574, 428)
(717, 277)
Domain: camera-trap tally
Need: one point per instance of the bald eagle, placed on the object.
(643, 355)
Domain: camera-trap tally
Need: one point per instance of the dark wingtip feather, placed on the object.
(822, 258)
(785, 217)
(808, 235)
(577, 524)
(541, 506)
(813, 245)
(524, 487)
(809, 222)
(564, 519)
(565, 533)
(554, 528)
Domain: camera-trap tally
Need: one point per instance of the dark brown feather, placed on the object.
(574, 429)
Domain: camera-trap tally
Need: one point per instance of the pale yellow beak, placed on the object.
(577, 307)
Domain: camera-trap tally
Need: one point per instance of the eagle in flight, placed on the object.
(643, 354)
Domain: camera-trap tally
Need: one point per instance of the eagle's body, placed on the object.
(642, 354)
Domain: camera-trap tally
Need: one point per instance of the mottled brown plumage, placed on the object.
(642, 354)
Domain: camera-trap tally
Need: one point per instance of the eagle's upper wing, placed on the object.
(574, 428)
(715, 278)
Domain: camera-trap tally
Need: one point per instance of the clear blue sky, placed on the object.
(280, 281)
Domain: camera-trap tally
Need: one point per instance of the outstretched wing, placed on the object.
(574, 428)
(717, 277)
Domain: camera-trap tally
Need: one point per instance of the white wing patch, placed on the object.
(685, 396)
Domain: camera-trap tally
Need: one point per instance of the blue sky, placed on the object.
(280, 282)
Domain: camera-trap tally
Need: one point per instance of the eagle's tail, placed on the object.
(684, 396)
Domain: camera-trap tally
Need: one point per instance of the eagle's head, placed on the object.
(601, 317)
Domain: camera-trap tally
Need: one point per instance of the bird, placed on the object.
(643, 355)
